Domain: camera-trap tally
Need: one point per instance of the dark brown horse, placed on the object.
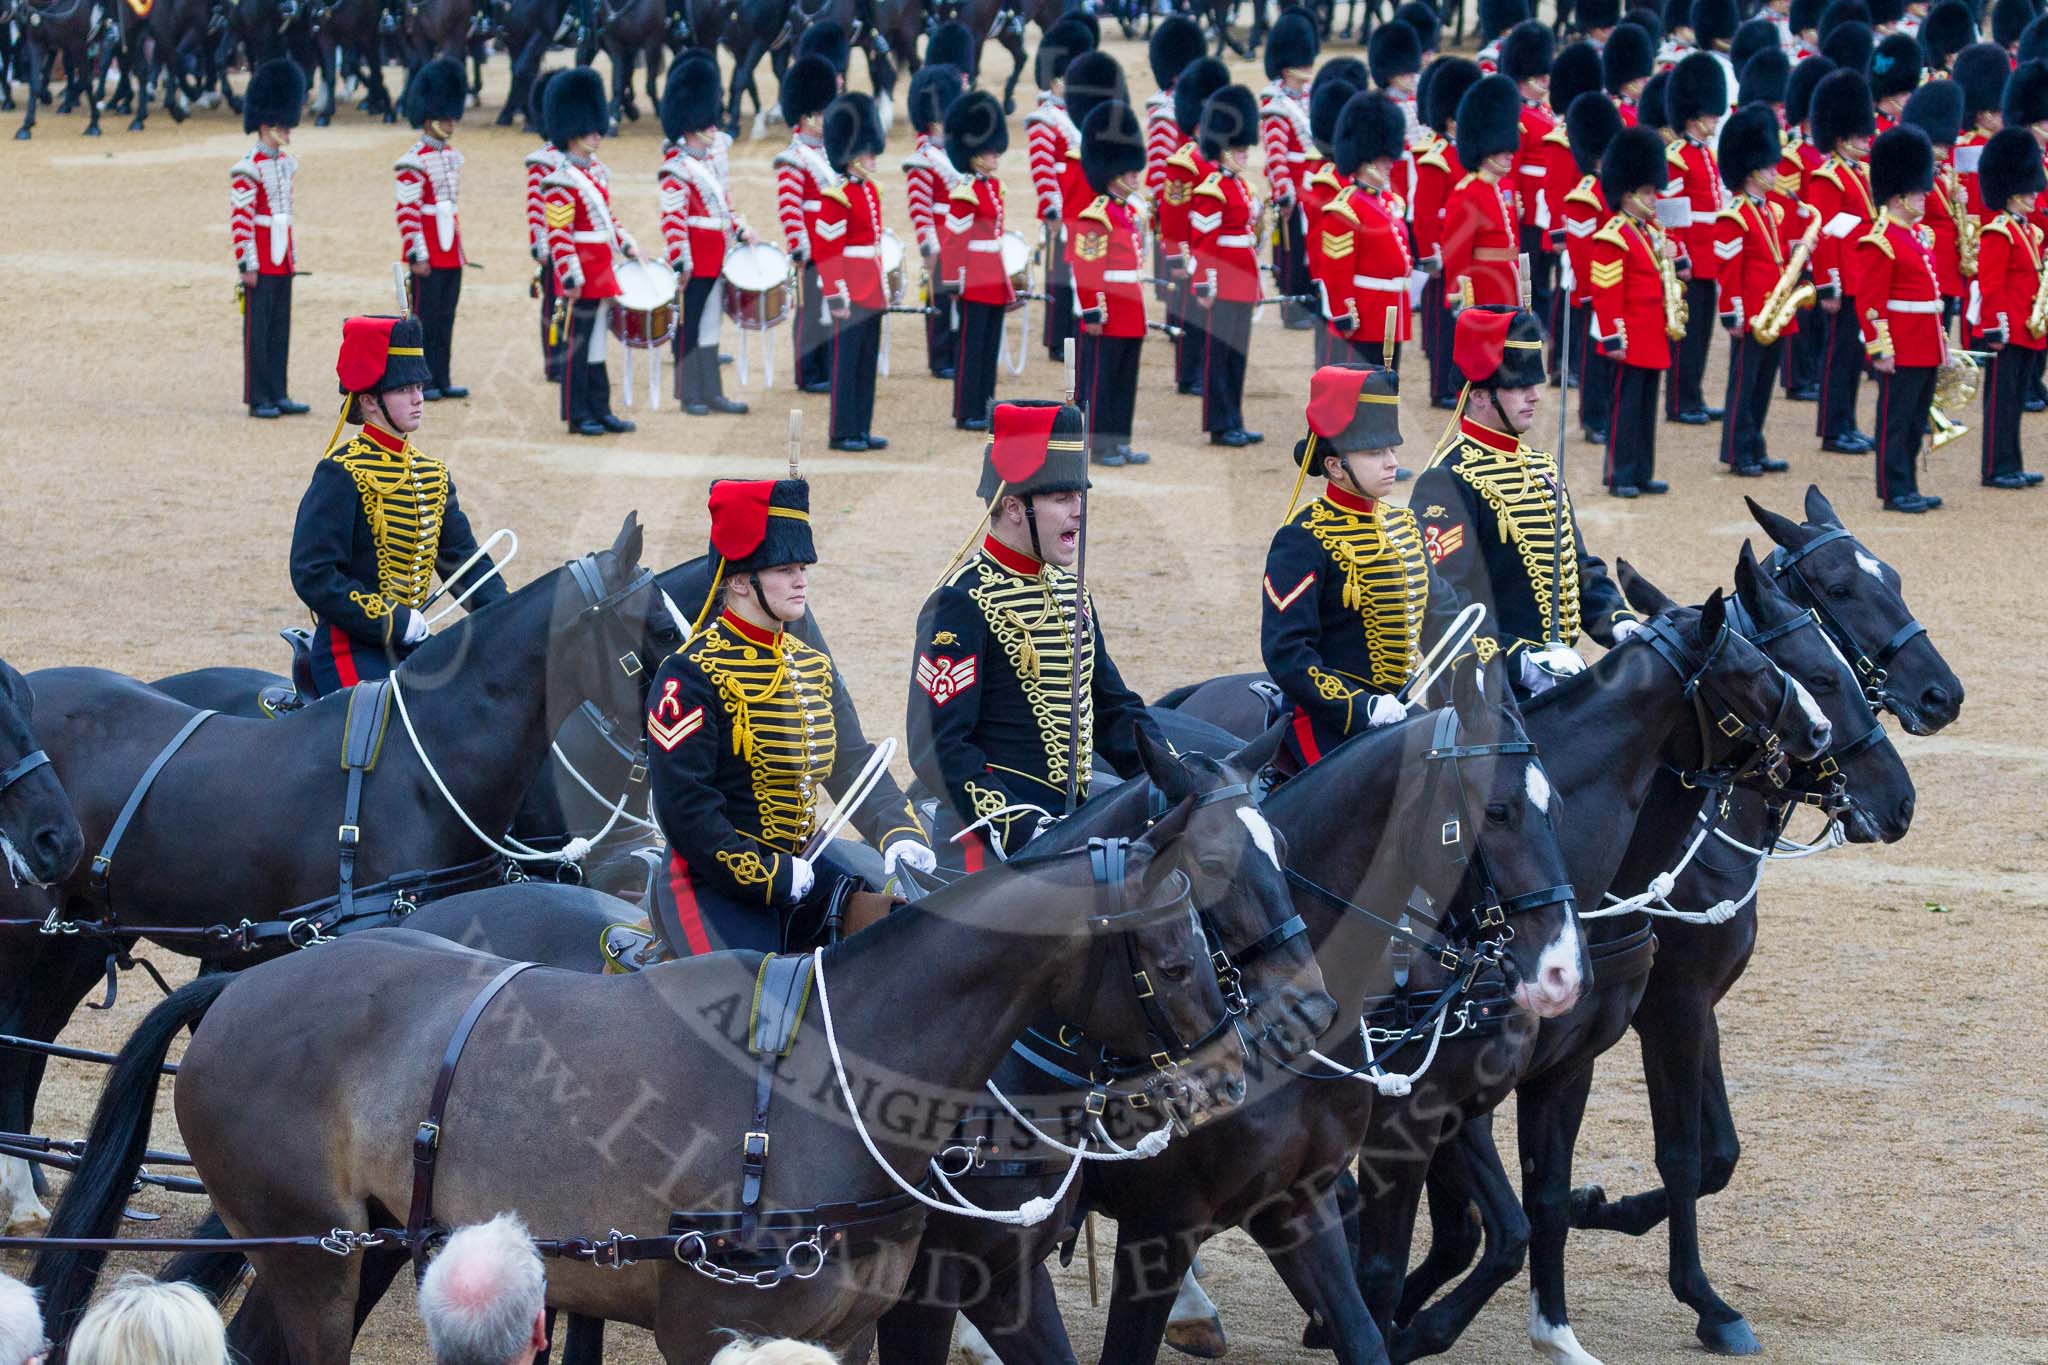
(434, 28)
(630, 32)
(526, 30)
(1006, 22)
(350, 27)
(60, 30)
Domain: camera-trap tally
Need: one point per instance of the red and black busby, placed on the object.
(693, 98)
(952, 44)
(761, 524)
(1980, 72)
(808, 86)
(1895, 66)
(1594, 15)
(1203, 78)
(1393, 51)
(1423, 18)
(1450, 78)
(1576, 70)
(1799, 89)
(576, 106)
(1628, 56)
(2009, 19)
(1901, 162)
(1496, 17)
(1591, 122)
(974, 125)
(1229, 119)
(1713, 23)
(1698, 89)
(439, 93)
(1063, 42)
(1633, 161)
(1351, 409)
(853, 129)
(1325, 102)
(1765, 78)
(2026, 96)
(1842, 108)
(932, 92)
(1948, 28)
(1370, 128)
(2010, 167)
(1489, 121)
(274, 96)
(1112, 144)
(380, 353)
(1936, 109)
(1176, 42)
(1292, 43)
(825, 38)
(1527, 51)
(1749, 143)
(1850, 46)
(1498, 346)
(1034, 446)
(1093, 79)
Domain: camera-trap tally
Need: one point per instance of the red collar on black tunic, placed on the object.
(1350, 502)
(1472, 429)
(382, 439)
(1013, 560)
(747, 630)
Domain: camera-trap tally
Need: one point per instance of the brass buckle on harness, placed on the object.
(1492, 917)
(1162, 1061)
(629, 663)
(426, 1141)
(1143, 983)
(1731, 725)
(754, 1144)
(349, 835)
(1096, 1103)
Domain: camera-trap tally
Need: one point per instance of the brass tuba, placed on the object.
(1789, 294)
(1969, 229)
(1955, 387)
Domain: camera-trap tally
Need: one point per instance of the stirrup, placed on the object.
(279, 700)
(631, 947)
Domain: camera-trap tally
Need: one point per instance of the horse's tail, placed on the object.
(99, 1189)
(1172, 700)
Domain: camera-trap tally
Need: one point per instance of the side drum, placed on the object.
(644, 314)
(757, 286)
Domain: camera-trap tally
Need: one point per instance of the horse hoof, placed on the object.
(1729, 1338)
(1315, 1336)
(91, 130)
(322, 120)
(1586, 1201)
(135, 124)
(1201, 1338)
(30, 1223)
(22, 135)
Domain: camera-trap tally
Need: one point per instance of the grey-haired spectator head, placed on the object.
(21, 1323)
(484, 1297)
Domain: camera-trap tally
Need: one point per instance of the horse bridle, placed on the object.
(1108, 864)
(1872, 667)
(22, 767)
(1806, 779)
(1756, 741)
(589, 580)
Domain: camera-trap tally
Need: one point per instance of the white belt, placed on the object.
(1375, 283)
(280, 225)
(1242, 239)
(1913, 305)
(1119, 277)
(591, 238)
(810, 205)
(698, 220)
(1297, 156)
(444, 223)
(986, 244)
(859, 253)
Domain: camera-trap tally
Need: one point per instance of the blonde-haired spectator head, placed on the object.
(21, 1324)
(142, 1322)
(742, 1351)
(484, 1297)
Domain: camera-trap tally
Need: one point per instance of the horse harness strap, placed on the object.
(426, 1143)
(362, 738)
(103, 861)
(1624, 959)
(781, 991)
(1872, 668)
(22, 767)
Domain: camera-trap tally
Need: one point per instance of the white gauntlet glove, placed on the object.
(910, 853)
(1534, 678)
(1384, 709)
(1625, 628)
(1560, 661)
(801, 878)
(415, 627)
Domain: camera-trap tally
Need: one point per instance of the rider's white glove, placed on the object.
(415, 627)
(1533, 677)
(1384, 709)
(1625, 628)
(1560, 661)
(908, 852)
(801, 878)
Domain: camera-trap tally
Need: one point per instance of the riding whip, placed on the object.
(1441, 655)
(481, 554)
(871, 772)
(401, 282)
(796, 441)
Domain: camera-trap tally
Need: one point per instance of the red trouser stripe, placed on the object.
(344, 657)
(687, 914)
(1305, 736)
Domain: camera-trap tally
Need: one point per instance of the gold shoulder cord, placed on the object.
(404, 496)
(1527, 517)
(1041, 652)
(1384, 581)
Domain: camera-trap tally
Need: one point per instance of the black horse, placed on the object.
(1006, 22)
(630, 32)
(40, 841)
(73, 31)
(526, 31)
(348, 28)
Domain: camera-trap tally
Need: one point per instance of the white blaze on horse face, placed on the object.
(1538, 785)
(1814, 715)
(1262, 833)
(1871, 565)
(1555, 1341)
(1553, 988)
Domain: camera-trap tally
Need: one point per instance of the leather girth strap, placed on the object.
(781, 991)
(362, 736)
(103, 861)
(426, 1142)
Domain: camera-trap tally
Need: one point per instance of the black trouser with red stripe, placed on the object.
(974, 364)
(1444, 379)
(2005, 390)
(1228, 337)
(695, 917)
(1689, 356)
(1802, 352)
(940, 340)
(1290, 265)
(856, 347)
(434, 297)
(1841, 370)
(1194, 339)
(1903, 398)
(1632, 427)
(586, 383)
(1595, 372)
(1751, 369)
(812, 334)
(1106, 380)
(266, 340)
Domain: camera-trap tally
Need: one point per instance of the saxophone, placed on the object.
(2037, 315)
(1677, 313)
(1969, 228)
(1788, 295)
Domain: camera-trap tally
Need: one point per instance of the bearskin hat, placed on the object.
(2011, 166)
(1489, 121)
(1885, 13)
(1901, 162)
(952, 44)
(1676, 15)
(808, 86)
(1628, 56)
(275, 94)
(1949, 27)
(1799, 90)
(1648, 20)
(1496, 17)
(2026, 96)
(1593, 15)
(1292, 42)
(1424, 19)
(1981, 70)
(1936, 109)
(1349, 70)
(1850, 46)
(1496, 346)
(1063, 42)
(1751, 37)
(1112, 144)
(1805, 14)
(1088, 20)
(975, 124)
(853, 129)
(439, 91)
(1177, 41)
(1650, 104)
(1351, 408)
(2009, 19)
(1527, 51)
(2033, 43)
(576, 106)
(1839, 12)
(1093, 79)
(1203, 78)
(1590, 123)
(1449, 78)
(1841, 109)
(1393, 51)
(536, 101)
(1325, 103)
(932, 92)
(825, 38)
(1765, 77)
(1713, 22)
(1698, 89)
(1229, 119)
(1576, 70)
(1749, 143)
(1634, 159)
(690, 100)
(1370, 127)
(1895, 66)
(1034, 445)
(761, 524)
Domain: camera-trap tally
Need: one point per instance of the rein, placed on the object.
(1872, 667)
(22, 767)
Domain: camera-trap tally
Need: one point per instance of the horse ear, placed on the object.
(630, 542)
(1259, 752)
(1162, 765)
(1782, 530)
(1641, 593)
(1468, 693)
(1713, 616)
(1819, 510)
(1746, 580)
(17, 690)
